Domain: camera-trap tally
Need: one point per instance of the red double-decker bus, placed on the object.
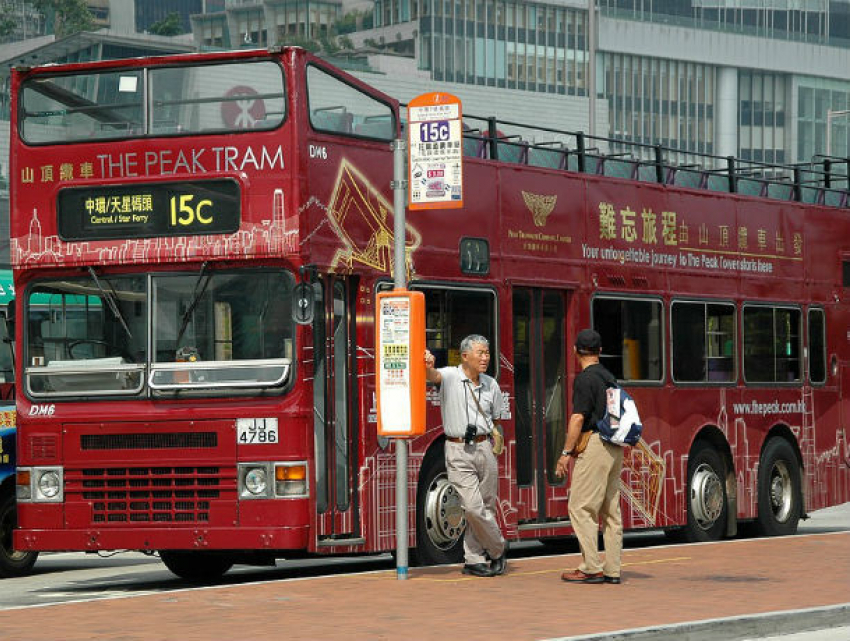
(205, 236)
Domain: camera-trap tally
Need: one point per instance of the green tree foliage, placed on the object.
(171, 25)
(69, 16)
(300, 41)
(329, 45)
(354, 21)
(7, 19)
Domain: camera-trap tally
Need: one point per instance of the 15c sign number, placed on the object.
(437, 131)
(186, 213)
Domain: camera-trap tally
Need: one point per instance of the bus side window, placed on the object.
(703, 342)
(335, 107)
(451, 315)
(631, 330)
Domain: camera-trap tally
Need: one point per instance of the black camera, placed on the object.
(471, 433)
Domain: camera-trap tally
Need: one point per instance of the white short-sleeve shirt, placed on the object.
(457, 404)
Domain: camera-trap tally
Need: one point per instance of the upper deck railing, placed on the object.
(823, 181)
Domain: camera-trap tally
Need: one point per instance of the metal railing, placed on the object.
(822, 181)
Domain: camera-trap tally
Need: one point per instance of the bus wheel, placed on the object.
(439, 516)
(779, 496)
(12, 562)
(196, 566)
(706, 494)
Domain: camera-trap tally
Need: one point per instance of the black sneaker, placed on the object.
(612, 579)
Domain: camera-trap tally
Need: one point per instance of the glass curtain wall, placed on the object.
(655, 101)
(512, 45)
(800, 20)
(816, 97)
(761, 116)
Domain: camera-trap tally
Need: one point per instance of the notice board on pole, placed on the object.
(435, 151)
(400, 363)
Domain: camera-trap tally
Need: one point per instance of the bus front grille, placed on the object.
(149, 441)
(151, 495)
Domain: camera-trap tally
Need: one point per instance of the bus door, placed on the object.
(334, 412)
(540, 383)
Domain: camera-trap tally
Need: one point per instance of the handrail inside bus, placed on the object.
(184, 382)
(217, 99)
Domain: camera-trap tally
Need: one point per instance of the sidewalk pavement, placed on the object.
(728, 590)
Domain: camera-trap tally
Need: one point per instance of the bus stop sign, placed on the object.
(435, 152)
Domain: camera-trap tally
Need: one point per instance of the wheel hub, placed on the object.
(706, 496)
(781, 497)
(444, 516)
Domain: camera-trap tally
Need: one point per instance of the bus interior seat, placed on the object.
(780, 190)
(717, 182)
(552, 157)
(333, 119)
(834, 198)
(513, 151)
(647, 173)
(619, 167)
(375, 129)
(751, 186)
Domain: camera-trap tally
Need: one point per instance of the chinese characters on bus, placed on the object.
(666, 239)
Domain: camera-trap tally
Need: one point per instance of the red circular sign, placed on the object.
(244, 112)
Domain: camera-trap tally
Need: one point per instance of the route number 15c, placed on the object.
(186, 213)
(437, 131)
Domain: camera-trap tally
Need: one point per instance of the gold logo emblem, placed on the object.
(539, 206)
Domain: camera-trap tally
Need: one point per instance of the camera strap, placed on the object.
(477, 404)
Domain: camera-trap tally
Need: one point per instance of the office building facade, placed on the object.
(757, 80)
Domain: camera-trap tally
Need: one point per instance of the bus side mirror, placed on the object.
(10, 321)
(304, 302)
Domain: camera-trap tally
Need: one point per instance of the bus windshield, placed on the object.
(132, 335)
(170, 100)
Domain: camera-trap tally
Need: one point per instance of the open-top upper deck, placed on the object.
(248, 154)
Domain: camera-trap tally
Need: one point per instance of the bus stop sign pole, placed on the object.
(434, 176)
(399, 186)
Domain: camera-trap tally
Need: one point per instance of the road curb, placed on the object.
(731, 628)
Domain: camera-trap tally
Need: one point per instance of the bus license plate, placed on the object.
(256, 431)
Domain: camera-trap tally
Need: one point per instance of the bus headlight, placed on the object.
(49, 485)
(40, 485)
(291, 479)
(254, 481)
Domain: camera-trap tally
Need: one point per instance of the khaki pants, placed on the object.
(473, 471)
(595, 498)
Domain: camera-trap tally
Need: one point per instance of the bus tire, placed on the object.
(780, 501)
(440, 521)
(12, 562)
(196, 566)
(706, 498)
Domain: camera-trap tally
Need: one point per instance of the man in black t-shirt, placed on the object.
(595, 488)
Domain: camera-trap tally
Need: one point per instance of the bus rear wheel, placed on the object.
(12, 562)
(196, 566)
(706, 494)
(440, 520)
(780, 501)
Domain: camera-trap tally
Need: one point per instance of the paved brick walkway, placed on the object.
(663, 585)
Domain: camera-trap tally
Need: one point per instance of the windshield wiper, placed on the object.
(197, 293)
(109, 297)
